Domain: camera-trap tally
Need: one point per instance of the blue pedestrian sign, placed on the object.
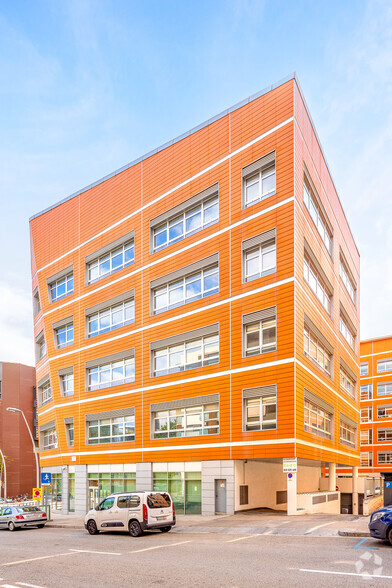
(46, 479)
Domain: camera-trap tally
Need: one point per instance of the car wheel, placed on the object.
(11, 526)
(389, 535)
(40, 526)
(135, 529)
(92, 527)
(165, 529)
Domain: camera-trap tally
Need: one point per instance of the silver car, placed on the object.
(17, 517)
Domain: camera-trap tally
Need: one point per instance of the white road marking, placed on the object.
(268, 532)
(29, 585)
(241, 538)
(99, 552)
(22, 561)
(346, 574)
(344, 561)
(8, 586)
(159, 547)
(319, 527)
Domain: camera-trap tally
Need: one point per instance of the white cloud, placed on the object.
(16, 327)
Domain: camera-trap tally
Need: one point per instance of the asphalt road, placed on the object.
(57, 558)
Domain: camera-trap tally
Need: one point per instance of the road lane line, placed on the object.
(241, 538)
(8, 586)
(22, 561)
(29, 585)
(99, 552)
(369, 576)
(319, 527)
(159, 546)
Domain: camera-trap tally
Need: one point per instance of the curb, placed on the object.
(353, 534)
(61, 526)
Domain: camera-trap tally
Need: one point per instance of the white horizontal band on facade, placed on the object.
(378, 398)
(387, 375)
(378, 353)
(175, 383)
(171, 255)
(374, 422)
(181, 185)
(177, 317)
(200, 446)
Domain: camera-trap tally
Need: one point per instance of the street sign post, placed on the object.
(37, 494)
(46, 479)
(289, 465)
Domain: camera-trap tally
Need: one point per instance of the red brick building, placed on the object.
(17, 390)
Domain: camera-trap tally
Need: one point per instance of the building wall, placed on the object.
(276, 121)
(17, 383)
(372, 352)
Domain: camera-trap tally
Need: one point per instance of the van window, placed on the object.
(106, 504)
(128, 501)
(158, 500)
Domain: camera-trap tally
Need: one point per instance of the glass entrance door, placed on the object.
(93, 497)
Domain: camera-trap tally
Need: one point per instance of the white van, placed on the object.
(133, 512)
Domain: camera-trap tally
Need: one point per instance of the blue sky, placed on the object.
(87, 86)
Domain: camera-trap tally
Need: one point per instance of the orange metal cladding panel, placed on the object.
(311, 376)
(371, 352)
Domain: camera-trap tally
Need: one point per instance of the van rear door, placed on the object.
(159, 508)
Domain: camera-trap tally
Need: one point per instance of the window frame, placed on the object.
(321, 413)
(347, 281)
(364, 364)
(111, 438)
(387, 386)
(46, 435)
(67, 328)
(369, 455)
(346, 431)
(128, 245)
(259, 176)
(65, 393)
(388, 409)
(388, 364)
(204, 362)
(246, 424)
(343, 374)
(369, 392)
(261, 349)
(345, 331)
(186, 430)
(97, 316)
(53, 286)
(363, 411)
(319, 285)
(261, 252)
(320, 347)
(312, 203)
(102, 367)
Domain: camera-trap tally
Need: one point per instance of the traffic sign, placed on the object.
(46, 479)
(289, 465)
(37, 493)
(388, 484)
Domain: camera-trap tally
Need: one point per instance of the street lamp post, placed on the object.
(11, 409)
(5, 476)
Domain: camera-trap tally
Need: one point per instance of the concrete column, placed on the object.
(64, 490)
(332, 477)
(291, 494)
(355, 490)
(143, 477)
(81, 489)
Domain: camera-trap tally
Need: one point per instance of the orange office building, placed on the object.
(197, 321)
(376, 411)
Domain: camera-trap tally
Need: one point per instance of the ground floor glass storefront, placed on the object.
(102, 483)
(54, 493)
(184, 487)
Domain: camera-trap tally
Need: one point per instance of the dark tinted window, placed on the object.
(128, 501)
(158, 500)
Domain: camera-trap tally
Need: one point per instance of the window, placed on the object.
(259, 331)
(111, 318)
(186, 355)
(44, 392)
(347, 383)
(384, 389)
(64, 336)
(346, 332)
(185, 223)
(111, 261)
(106, 504)
(49, 439)
(366, 392)
(128, 501)
(317, 420)
(260, 185)
(113, 373)
(259, 411)
(40, 346)
(384, 365)
(186, 289)
(384, 457)
(366, 459)
(67, 384)
(186, 422)
(111, 430)
(69, 431)
(316, 284)
(61, 287)
(36, 302)
(366, 414)
(384, 435)
(260, 261)
(348, 433)
(311, 203)
(366, 437)
(384, 412)
(364, 369)
(347, 280)
(314, 349)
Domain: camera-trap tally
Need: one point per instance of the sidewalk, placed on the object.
(258, 522)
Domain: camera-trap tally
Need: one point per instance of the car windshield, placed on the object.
(27, 509)
(158, 500)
